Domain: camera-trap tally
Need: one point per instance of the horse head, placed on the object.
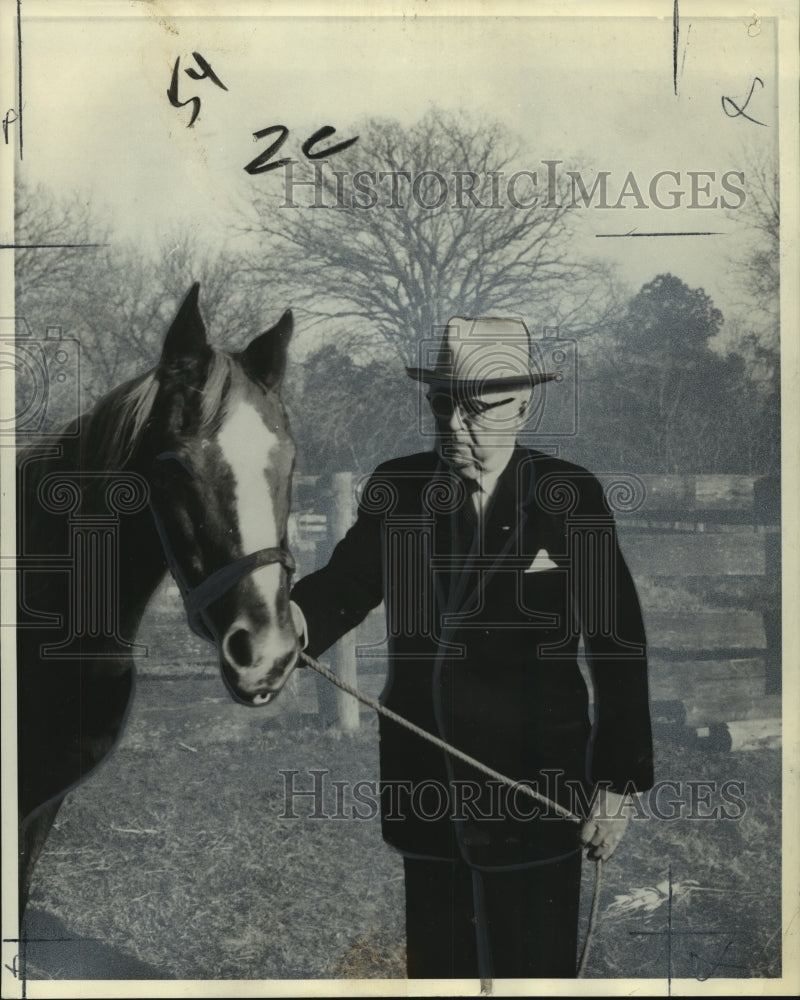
(219, 456)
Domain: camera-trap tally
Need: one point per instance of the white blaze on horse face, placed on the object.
(247, 445)
(259, 648)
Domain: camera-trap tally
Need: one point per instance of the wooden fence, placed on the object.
(705, 553)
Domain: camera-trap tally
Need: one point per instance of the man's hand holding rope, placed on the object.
(606, 825)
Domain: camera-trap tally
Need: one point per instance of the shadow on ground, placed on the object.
(48, 950)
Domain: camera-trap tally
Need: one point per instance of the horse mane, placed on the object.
(119, 419)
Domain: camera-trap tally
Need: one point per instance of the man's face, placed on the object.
(475, 432)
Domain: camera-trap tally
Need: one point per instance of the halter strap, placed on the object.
(198, 598)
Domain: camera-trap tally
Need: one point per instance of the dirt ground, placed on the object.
(180, 858)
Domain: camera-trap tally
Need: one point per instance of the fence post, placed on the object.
(343, 654)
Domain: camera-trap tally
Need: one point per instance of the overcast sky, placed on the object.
(596, 92)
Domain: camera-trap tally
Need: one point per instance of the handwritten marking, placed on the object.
(685, 48)
(47, 940)
(675, 35)
(50, 246)
(9, 121)
(206, 73)
(324, 133)
(669, 933)
(622, 236)
(696, 958)
(19, 73)
(19, 960)
(741, 111)
(261, 164)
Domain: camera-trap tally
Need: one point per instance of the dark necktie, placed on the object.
(464, 528)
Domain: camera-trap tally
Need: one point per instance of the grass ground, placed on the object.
(174, 860)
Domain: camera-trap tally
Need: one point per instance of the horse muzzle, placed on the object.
(256, 666)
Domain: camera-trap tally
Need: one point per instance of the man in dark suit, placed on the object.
(494, 561)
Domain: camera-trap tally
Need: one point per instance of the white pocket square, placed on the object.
(541, 561)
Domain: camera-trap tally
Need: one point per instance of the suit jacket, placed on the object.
(484, 627)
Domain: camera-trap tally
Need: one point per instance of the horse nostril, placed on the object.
(239, 648)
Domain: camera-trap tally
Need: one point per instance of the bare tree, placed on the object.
(756, 267)
(754, 330)
(754, 334)
(413, 225)
(134, 297)
(54, 238)
(115, 299)
(234, 310)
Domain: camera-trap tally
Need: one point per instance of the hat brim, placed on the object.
(431, 377)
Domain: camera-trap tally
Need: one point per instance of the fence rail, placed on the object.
(706, 557)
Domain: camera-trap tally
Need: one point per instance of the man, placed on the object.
(493, 561)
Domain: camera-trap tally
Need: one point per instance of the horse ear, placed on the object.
(186, 338)
(265, 357)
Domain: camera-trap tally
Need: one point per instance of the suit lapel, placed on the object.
(513, 529)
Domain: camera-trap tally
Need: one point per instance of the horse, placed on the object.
(187, 467)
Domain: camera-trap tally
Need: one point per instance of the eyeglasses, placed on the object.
(475, 412)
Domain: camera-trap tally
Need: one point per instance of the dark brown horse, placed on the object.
(188, 467)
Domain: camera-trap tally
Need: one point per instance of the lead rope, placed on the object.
(486, 984)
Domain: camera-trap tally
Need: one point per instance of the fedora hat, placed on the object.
(481, 354)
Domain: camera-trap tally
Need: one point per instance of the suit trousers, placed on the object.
(467, 923)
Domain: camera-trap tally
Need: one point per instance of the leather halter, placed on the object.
(197, 599)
